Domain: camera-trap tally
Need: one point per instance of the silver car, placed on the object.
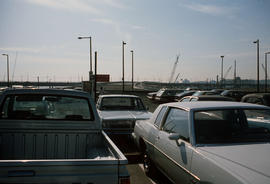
(207, 142)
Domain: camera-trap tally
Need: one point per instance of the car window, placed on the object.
(267, 100)
(257, 101)
(121, 103)
(47, 107)
(160, 116)
(193, 99)
(232, 126)
(185, 100)
(177, 122)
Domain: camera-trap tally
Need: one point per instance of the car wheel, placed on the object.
(148, 165)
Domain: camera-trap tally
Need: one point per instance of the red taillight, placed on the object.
(124, 180)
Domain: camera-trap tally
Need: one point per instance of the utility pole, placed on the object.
(258, 84)
(217, 81)
(266, 70)
(95, 85)
(221, 79)
(132, 84)
(7, 68)
(38, 81)
(91, 81)
(123, 67)
(234, 73)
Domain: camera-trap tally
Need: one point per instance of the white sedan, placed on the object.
(207, 142)
(119, 113)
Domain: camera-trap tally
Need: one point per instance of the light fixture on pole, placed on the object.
(132, 65)
(221, 79)
(123, 67)
(266, 70)
(258, 84)
(90, 59)
(7, 68)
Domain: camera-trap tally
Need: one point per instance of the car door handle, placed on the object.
(158, 137)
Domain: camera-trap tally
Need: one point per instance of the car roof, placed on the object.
(258, 94)
(208, 105)
(212, 97)
(118, 95)
(46, 91)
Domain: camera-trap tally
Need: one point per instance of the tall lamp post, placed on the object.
(123, 66)
(221, 79)
(258, 85)
(132, 84)
(7, 68)
(90, 71)
(266, 70)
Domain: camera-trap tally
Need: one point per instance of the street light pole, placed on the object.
(132, 69)
(258, 84)
(221, 79)
(266, 70)
(123, 67)
(7, 68)
(90, 59)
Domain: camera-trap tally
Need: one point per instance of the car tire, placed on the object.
(148, 165)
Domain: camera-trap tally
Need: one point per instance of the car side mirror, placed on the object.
(174, 136)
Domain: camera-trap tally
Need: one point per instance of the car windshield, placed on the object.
(47, 107)
(121, 103)
(197, 93)
(232, 126)
(224, 93)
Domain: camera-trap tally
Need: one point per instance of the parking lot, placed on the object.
(135, 166)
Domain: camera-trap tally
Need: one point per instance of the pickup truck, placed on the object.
(55, 136)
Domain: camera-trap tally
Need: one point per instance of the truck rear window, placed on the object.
(45, 107)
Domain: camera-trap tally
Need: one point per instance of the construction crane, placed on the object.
(176, 78)
(174, 67)
(227, 72)
(14, 66)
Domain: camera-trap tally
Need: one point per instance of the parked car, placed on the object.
(179, 96)
(192, 88)
(205, 98)
(199, 93)
(118, 113)
(55, 136)
(257, 98)
(152, 95)
(167, 95)
(236, 94)
(217, 91)
(207, 142)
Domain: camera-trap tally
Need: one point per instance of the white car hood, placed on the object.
(127, 115)
(248, 161)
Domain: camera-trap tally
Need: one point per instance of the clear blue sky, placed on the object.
(40, 36)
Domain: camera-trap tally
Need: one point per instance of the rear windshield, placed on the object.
(45, 107)
(232, 126)
(121, 103)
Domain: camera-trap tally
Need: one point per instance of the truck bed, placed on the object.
(52, 155)
(50, 142)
